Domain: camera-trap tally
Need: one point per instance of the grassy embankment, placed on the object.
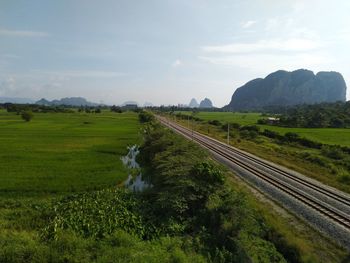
(309, 161)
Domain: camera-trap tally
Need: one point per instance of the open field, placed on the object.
(58, 152)
(241, 118)
(324, 135)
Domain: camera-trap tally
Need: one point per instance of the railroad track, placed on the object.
(250, 164)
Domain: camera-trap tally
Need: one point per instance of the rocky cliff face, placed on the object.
(289, 88)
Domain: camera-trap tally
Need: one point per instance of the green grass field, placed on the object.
(323, 135)
(60, 152)
(241, 118)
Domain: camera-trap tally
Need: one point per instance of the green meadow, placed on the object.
(64, 152)
(336, 136)
(241, 118)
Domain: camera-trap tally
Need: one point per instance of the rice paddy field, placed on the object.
(64, 152)
(336, 136)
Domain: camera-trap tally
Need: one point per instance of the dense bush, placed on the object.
(232, 125)
(271, 134)
(116, 109)
(250, 128)
(248, 134)
(27, 115)
(72, 247)
(291, 137)
(145, 116)
(98, 214)
(333, 152)
(336, 115)
(215, 122)
(190, 197)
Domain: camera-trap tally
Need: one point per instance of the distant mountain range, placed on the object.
(206, 103)
(283, 88)
(73, 101)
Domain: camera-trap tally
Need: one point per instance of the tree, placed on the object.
(27, 115)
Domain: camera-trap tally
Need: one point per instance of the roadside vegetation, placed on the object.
(326, 162)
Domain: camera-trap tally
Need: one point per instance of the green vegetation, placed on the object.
(325, 162)
(27, 115)
(237, 117)
(191, 199)
(62, 203)
(335, 115)
(336, 136)
(58, 152)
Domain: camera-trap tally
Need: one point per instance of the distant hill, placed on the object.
(193, 103)
(130, 103)
(16, 100)
(206, 103)
(73, 101)
(283, 88)
(44, 102)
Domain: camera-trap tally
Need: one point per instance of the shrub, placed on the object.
(291, 136)
(250, 128)
(145, 116)
(333, 152)
(235, 125)
(27, 115)
(309, 143)
(248, 134)
(271, 134)
(262, 121)
(344, 178)
(215, 122)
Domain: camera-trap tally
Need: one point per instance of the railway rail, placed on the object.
(327, 201)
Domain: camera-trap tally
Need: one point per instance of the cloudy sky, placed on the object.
(164, 51)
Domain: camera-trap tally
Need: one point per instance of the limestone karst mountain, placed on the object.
(283, 88)
(206, 103)
(193, 103)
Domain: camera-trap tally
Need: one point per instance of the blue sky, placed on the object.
(164, 52)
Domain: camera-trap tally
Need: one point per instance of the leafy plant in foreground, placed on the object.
(98, 214)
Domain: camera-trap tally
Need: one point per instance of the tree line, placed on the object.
(323, 115)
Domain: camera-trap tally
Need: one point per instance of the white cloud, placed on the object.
(176, 63)
(292, 44)
(248, 24)
(22, 33)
